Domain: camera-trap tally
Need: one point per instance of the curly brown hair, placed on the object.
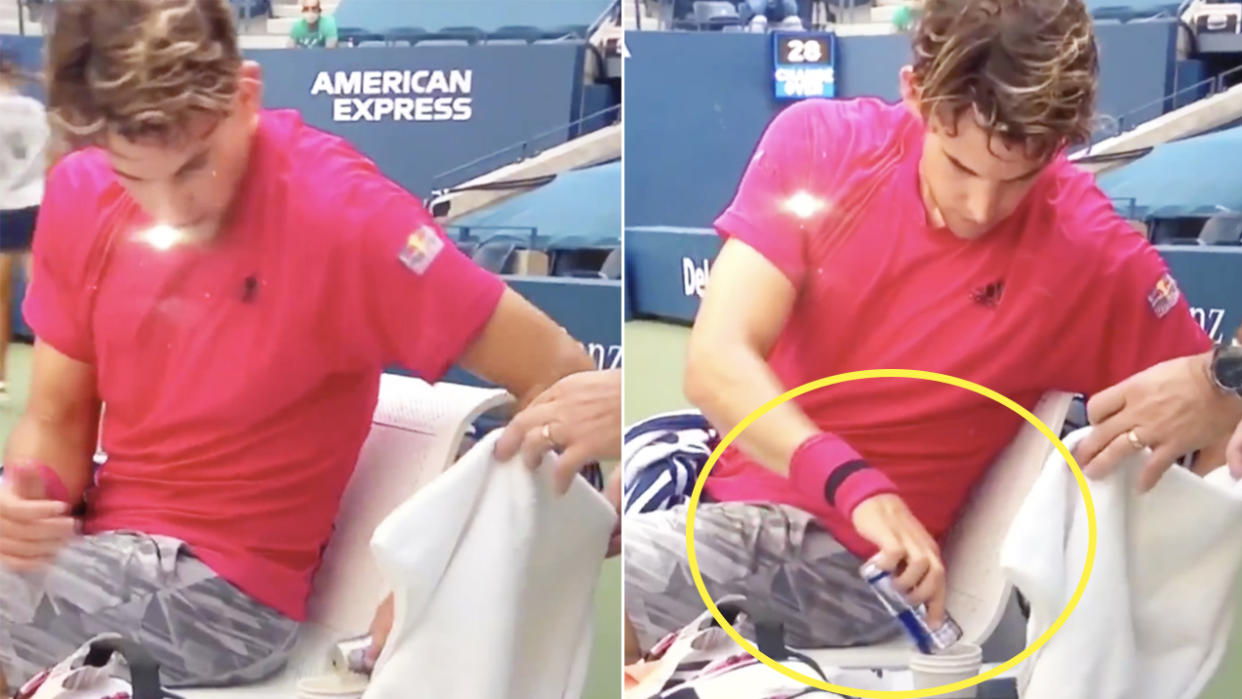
(1026, 69)
(139, 68)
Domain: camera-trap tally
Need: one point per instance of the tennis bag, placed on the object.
(701, 661)
(95, 671)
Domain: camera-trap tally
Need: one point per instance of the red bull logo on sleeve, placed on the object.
(420, 250)
(1164, 295)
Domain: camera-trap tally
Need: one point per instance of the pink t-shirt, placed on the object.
(1062, 295)
(240, 378)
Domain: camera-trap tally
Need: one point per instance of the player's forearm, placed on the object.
(565, 356)
(729, 384)
(65, 443)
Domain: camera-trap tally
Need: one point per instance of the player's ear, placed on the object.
(250, 86)
(909, 90)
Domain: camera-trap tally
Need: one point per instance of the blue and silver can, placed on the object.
(912, 617)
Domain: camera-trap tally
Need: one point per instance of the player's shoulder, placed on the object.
(859, 122)
(340, 190)
(82, 185)
(328, 166)
(83, 171)
(834, 113)
(1086, 225)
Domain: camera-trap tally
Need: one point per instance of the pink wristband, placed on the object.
(53, 487)
(826, 465)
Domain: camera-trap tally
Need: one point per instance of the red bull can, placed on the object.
(913, 618)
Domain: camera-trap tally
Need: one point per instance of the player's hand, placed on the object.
(33, 529)
(578, 416)
(1171, 407)
(906, 550)
(381, 628)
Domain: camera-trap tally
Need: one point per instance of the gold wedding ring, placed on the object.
(547, 434)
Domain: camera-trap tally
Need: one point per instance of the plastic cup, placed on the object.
(958, 663)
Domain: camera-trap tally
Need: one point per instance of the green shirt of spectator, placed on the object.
(903, 18)
(313, 30)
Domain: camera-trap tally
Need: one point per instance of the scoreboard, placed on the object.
(803, 64)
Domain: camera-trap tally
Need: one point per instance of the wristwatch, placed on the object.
(1225, 368)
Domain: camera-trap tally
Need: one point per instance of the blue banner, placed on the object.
(422, 111)
(1211, 279)
(667, 270)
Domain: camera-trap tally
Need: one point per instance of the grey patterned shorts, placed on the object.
(201, 629)
(778, 557)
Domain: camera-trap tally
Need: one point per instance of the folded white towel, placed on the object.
(1155, 617)
(494, 577)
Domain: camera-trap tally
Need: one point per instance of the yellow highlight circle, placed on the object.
(902, 374)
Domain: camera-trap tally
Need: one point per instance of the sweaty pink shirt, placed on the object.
(240, 378)
(1062, 295)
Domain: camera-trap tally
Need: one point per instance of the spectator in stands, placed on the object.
(758, 14)
(937, 233)
(903, 18)
(23, 152)
(313, 29)
(231, 282)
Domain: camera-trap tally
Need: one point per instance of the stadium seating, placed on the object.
(1143, 189)
(581, 203)
(1125, 10)
(575, 220)
(473, 18)
(495, 255)
(712, 14)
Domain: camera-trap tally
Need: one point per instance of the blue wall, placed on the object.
(589, 309)
(1211, 278)
(517, 93)
(697, 103)
(27, 51)
(666, 269)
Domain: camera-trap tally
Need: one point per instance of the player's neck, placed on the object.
(932, 214)
(243, 182)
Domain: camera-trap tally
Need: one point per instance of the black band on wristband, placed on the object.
(838, 477)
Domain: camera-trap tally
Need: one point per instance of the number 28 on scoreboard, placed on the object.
(803, 65)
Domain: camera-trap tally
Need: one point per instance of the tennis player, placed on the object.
(947, 232)
(230, 282)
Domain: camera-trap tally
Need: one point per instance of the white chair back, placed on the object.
(416, 434)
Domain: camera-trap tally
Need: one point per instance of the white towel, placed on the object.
(1155, 617)
(494, 577)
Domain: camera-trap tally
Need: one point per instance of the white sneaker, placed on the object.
(759, 24)
(792, 23)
